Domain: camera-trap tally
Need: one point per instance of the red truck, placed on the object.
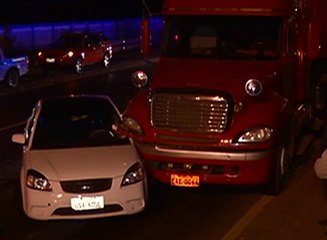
(236, 85)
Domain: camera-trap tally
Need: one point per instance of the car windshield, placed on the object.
(223, 37)
(74, 122)
(68, 40)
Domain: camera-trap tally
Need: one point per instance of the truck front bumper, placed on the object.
(251, 167)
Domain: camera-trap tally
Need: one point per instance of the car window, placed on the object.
(67, 40)
(92, 40)
(70, 124)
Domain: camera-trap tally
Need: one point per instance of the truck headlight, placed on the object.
(255, 135)
(132, 125)
(253, 87)
(37, 181)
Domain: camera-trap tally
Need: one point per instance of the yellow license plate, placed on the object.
(184, 180)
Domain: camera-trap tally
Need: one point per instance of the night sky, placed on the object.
(44, 11)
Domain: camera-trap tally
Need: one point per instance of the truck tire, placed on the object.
(279, 169)
(319, 87)
(321, 97)
(12, 78)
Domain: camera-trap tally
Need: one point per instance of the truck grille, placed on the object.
(190, 112)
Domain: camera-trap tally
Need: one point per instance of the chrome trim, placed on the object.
(188, 139)
(207, 155)
(190, 112)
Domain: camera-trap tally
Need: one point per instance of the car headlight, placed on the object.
(133, 175)
(132, 125)
(255, 135)
(70, 54)
(37, 181)
(253, 87)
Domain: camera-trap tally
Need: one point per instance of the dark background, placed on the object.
(39, 11)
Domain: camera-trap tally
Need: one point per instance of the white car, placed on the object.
(75, 165)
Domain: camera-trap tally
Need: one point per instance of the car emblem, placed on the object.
(86, 187)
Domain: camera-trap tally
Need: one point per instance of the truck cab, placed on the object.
(228, 97)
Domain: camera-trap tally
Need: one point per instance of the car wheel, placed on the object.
(12, 78)
(106, 60)
(79, 66)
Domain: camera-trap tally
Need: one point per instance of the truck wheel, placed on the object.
(320, 97)
(319, 87)
(12, 78)
(106, 60)
(79, 66)
(276, 183)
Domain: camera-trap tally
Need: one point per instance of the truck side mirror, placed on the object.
(313, 41)
(139, 79)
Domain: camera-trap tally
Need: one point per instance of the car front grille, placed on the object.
(86, 186)
(190, 112)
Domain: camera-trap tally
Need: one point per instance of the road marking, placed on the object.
(247, 218)
(12, 126)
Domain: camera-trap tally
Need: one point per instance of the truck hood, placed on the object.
(83, 163)
(226, 75)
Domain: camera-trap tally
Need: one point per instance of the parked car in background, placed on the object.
(77, 50)
(75, 165)
(12, 68)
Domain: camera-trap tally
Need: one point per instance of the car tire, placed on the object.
(79, 66)
(12, 78)
(106, 60)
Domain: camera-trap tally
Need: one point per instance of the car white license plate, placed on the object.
(87, 203)
(184, 180)
(50, 60)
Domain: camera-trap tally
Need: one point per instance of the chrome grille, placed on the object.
(86, 186)
(189, 112)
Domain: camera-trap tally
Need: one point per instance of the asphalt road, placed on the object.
(209, 212)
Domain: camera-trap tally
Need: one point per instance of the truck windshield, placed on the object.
(224, 37)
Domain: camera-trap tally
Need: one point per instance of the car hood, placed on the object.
(85, 163)
(219, 75)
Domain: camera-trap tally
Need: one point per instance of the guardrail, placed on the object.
(124, 33)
